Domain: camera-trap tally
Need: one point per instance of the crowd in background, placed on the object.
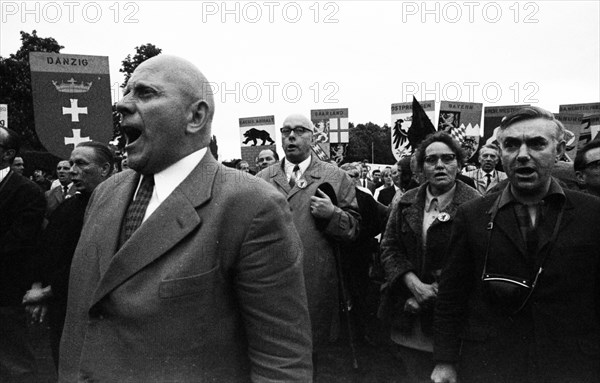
(183, 267)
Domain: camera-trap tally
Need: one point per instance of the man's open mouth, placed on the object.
(131, 133)
(525, 171)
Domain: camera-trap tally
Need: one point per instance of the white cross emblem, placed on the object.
(74, 110)
(76, 139)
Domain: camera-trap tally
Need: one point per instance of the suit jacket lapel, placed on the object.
(311, 175)
(547, 225)
(280, 179)
(113, 231)
(507, 222)
(174, 219)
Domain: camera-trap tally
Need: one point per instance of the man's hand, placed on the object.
(36, 313)
(321, 206)
(444, 373)
(37, 294)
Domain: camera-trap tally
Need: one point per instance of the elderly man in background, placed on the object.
(266, 158)
(519, 299)
(92, 163)
(487, 177)
(185, 270)
(304, 180)
(64, 188)
(18, 165)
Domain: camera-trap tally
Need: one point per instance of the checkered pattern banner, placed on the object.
(459, 133)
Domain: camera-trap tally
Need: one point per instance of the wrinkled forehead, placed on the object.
(491, 151)
(171, 72)
(529, 129)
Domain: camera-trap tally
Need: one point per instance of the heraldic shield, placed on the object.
(71, 100)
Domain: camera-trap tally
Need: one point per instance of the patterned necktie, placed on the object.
(137, 208)
(293, 177)
(65, 190)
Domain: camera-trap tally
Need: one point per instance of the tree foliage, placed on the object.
(15, 82)
(367, 141)
(142, 53)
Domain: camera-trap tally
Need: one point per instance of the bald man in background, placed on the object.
(185, 271)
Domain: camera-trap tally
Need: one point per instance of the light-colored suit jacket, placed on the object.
(319, 242)
(480, 179)
(209, 288)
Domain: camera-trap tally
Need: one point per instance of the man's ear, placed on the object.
(198, 118)
(105, 169)
(9, 155)
(560, 149)
(580, 177)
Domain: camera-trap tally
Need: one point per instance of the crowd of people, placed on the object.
(181, 269)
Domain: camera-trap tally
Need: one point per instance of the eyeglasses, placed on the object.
(446, 158)
(298, 130)
(594, 165)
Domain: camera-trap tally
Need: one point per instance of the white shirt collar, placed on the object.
(4, 172)
(168, 179)
(289, 167)
(442, 200)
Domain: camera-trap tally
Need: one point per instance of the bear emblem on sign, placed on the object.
(255, 134)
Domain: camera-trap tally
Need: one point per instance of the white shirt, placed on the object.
(168, 179)
(4, 172)
(289, 168)
(433, 206)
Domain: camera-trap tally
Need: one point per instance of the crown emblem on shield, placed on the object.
(71, 86)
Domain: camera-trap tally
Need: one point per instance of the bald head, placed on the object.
(186, 76)
(297, 137)
(294, 120)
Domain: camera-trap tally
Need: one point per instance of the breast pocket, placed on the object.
(203, 283)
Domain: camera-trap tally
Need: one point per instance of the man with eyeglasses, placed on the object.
(321, 224)
(519, 300)
(587, 167)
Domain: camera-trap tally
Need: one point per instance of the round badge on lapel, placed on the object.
(443, 217)
(301, 183)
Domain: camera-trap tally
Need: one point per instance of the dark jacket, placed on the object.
(387, 195)
(556, 337)
(22, 207)
(402, 244)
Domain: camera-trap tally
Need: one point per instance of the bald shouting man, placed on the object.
(185, 271)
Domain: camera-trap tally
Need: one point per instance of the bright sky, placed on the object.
(278, 58)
